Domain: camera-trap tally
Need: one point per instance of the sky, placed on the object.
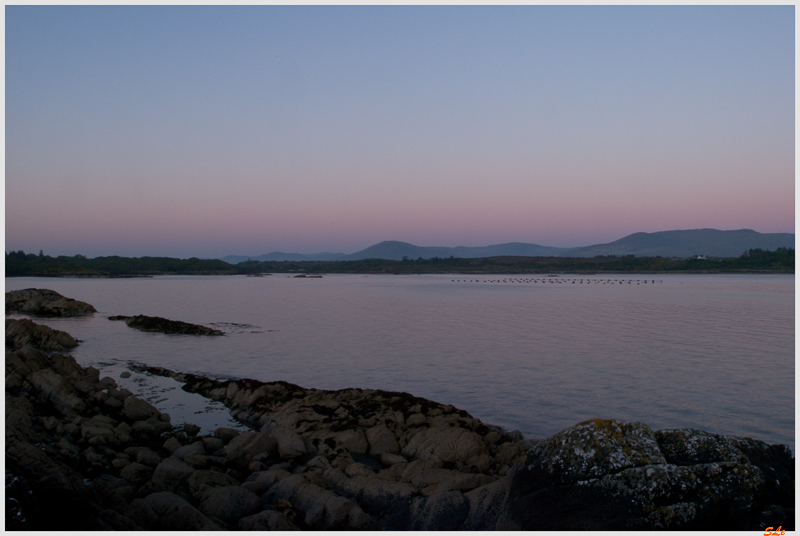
(205, 131)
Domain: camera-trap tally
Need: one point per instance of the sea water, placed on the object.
(533, 353)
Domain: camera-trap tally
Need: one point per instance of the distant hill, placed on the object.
(397, 250)
(280, 256)
(688, 243)
(710, 242)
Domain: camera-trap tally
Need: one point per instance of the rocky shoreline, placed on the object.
(83, 454)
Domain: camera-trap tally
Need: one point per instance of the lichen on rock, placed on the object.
(610, 475)
(595, 448)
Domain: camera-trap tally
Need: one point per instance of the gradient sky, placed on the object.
(207, 131)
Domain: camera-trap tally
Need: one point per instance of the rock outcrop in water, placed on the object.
(45, 302)
(162, 325)
(82, 454)
(23, 332)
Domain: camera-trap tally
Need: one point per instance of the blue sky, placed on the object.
(207, 131)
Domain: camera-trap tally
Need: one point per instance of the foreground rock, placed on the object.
(610, 475)
(162, 325)
(411, 463)
(23, 332)
(82, 454)
(45, 302)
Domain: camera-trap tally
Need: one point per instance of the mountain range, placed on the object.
(686, 243)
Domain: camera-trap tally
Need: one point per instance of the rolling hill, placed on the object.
(685, 243)
(709, 242)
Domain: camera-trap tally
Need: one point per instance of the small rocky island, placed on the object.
(83, 454)
(45, 302)
(162, 325)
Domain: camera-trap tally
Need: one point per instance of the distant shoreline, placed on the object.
(780, 261)
(146, 276)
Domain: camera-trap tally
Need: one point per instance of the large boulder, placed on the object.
(171, 473)
(307, 498)
(20, 363)
(290, 444)
(447, 444)
(56, 389)
(193, 449)
(246, 446)
(45, 302)
(443, 511)
(226, 434)
(137, 409)
(687, 446)
(382, 441)
(136, 473)
(174, 513)
(611, 475)
(19, 424)
(229, 503)
(378, 497)
(352, 440)
(148, 457)
(595, 448)
(202, 481)
(343, 513)
(485, 506)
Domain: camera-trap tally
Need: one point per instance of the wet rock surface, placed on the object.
(45, 302)
(162, 325)
(355, 459)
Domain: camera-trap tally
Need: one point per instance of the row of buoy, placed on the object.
(558, 281)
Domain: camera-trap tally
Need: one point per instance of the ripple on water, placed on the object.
(711, 352)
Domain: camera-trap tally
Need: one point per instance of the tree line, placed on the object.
(18, 263)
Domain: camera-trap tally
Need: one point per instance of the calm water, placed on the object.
(704, 351)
